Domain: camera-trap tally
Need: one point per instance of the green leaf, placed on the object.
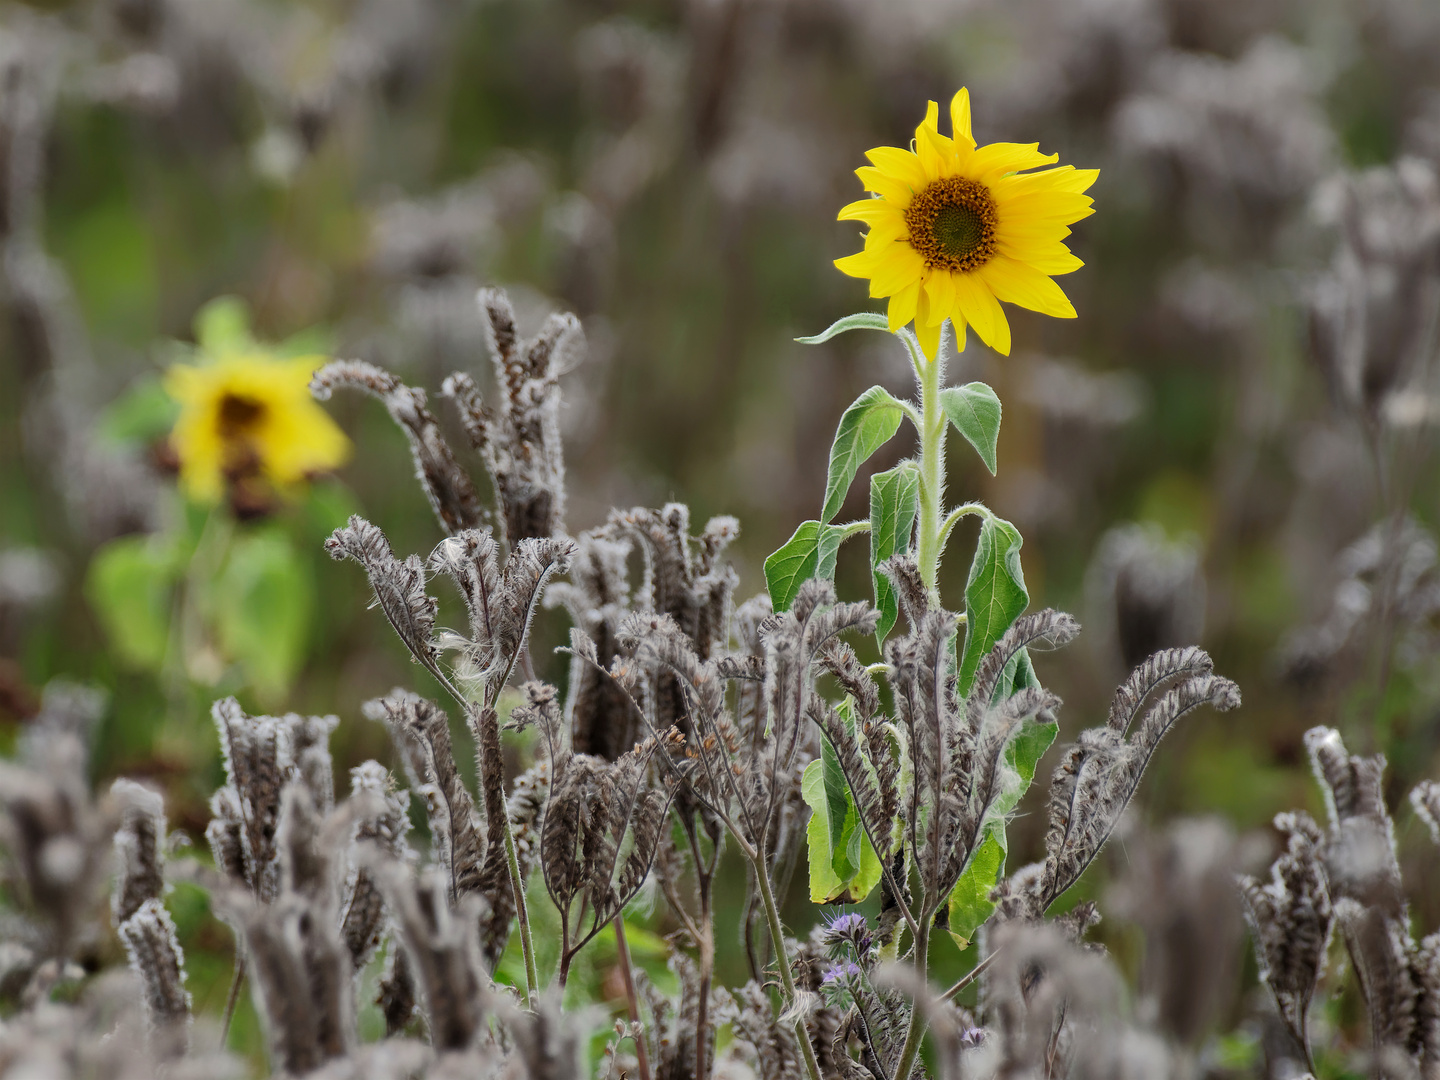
(263, 600)
(975, 411)
(995, 594)
(810, 553)
(864, 320)
(828, 886)
(894, 502)
(129, 584)
(970, 903)
(868, 424)
(223, 325)
(838, 808)
(142, 414)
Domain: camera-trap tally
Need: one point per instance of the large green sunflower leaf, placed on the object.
(868, 424)
(894, 502)
(974, 409)
(809, 553)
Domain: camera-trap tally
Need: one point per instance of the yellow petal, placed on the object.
(1049, 259)
(927, 332)
(861, 264)
(870, 210)
(982, 311)
(958, 322)
(990, 163)
(1063, 178)
(1017, 283)
(884, 185)
(886, 232)
(1030, 232)
(902, 305)
(940, 289)
(936, 153)
(898, 164)
(960, 117)
(1062, 206)
(895, 268)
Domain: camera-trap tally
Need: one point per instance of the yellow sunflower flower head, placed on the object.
(956, 228)
(246, 417)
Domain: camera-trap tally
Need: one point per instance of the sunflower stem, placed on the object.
(930, 374)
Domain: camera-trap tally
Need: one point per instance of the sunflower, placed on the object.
(956, 228)
(248, 418)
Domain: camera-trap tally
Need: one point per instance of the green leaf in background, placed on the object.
(864, 320)
(809, 553)
(894, 502)
(141, 415)
(263, 600)
(129, 584)
(970, 903)
(223, 325)
(868, 424)
(995, 594)
(975, 411)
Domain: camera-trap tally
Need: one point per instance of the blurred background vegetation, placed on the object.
(1231, 445)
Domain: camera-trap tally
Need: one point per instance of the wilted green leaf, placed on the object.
(975, 411)
(809, 553)
(130, 584)
(970, 903)
(995, 593)
(894, 502)
(826, 884)
(868, 424)
(864, 320)
(263, 600)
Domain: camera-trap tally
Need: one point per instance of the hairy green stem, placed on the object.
(522, 916)
(915, 1035)
(782, 962)
(930, 374)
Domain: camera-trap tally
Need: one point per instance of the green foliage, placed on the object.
(868, 424)
(975, 411)
(263, 602)
(223, 325)
(809, 553)
(843, 864)
(130, 585)
(862, 320)
(995, 593)
(894, 502)
(143, 414)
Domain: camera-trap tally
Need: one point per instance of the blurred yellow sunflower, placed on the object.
(247, 416)
(956, 228)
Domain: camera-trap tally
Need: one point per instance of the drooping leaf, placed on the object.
(130, 584)
(838, 808)
(863, 320)
(263, 602)
(970, 905)
(846, 868)
(894, 502)
(809, 553)
(868, 424)
(995, 593)
(974, 409)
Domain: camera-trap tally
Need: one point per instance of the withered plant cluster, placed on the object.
(680, 745)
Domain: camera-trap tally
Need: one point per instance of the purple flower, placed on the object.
(850, 929)
(838, 974)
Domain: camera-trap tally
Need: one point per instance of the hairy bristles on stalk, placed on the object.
(399, 586)
(1095, 781)
(546, 1041)
(158, 961)
(1162, 668)
(904, 574)
(1291, 919)
(139, 849)
(258, 763)
(597, 598)
(1048, 629)
(310, 751)
(1425, 798)
(1382, 951)
(421, 732)
(1360, 861)
(450, 491)
(442, 953)
(384, 823)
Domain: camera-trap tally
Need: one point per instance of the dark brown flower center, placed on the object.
(952, 224)
(238, 415)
